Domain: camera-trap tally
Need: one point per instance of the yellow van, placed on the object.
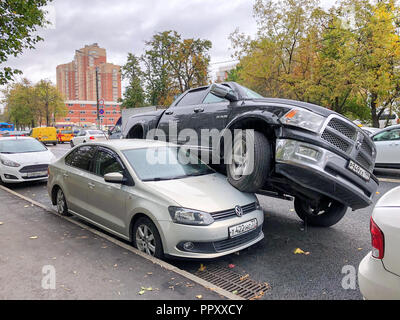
(64, 135)
(47, 135)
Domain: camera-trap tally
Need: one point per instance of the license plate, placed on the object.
(44, 137)
(242, 228)
(358, 170)
(36, 174)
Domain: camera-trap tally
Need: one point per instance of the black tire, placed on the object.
(256, 179)
(330, 213)
(61, 203)
(54, 143)
(145, 222)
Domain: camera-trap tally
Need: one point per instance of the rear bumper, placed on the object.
(375, 282)
(324, 172)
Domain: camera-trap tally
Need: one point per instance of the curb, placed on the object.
(163, 264)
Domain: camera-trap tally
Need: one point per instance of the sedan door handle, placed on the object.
(65, 175)
(91, 185)
(197, 110)
(169, 112)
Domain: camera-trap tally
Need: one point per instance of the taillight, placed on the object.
(398, 120)
(91, 138)
(377, 240)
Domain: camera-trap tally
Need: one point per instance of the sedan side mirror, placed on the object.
(222, 91)
(114, 177)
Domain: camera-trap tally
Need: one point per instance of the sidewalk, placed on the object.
(86, 266)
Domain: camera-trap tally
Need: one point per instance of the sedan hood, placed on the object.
(31, 158)
(208, 193)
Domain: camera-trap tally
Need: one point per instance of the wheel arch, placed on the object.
(54, 190)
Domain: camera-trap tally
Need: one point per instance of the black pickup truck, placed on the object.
(300, 150)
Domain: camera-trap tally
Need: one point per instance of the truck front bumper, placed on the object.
(324, 172)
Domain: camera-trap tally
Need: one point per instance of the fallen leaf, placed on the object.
(149, 289)
(377, 192)
(27, 206)
(235, 292)
(359, 249)
(1, 223)
(298, 251)
(115, 265)
(202, 268)
(141, 292)
(149, 273)
(33, 237)
(291, 210)
(199, 296)
(231, 266)
(244, 277)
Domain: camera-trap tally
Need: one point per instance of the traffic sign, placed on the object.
(101, 102)
(101, 111)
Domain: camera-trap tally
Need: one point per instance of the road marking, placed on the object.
(163, 264)
(389, 180)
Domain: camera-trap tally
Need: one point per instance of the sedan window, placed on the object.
(106, 163)
(388, 135)
(81, 157)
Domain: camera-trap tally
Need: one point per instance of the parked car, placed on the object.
(15, 134)
(387, 142)
(64, 135)
(386, 119)
(88, 136)
(170, 207)
(46, 135)
(23, 159)
(303, 150)
(379, 271)
(370, 130)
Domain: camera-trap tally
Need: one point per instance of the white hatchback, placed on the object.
(379, 271)
(90, 135)
(23, 159)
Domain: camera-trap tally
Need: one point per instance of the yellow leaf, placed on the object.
(33, 237)
(199, 296)
(298, 251)
(1, 223)
(202, 268)
(141, 292)
(244, 277)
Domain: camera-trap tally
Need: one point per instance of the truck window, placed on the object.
(192, 97)
(211, 98)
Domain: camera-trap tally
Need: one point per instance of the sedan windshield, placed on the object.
(165, 163)
(21, 146)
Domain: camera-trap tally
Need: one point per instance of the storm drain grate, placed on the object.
(236, 283)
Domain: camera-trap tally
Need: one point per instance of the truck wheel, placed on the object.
(248, 172)
(327, 214)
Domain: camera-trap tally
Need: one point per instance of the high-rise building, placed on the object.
(76, 80)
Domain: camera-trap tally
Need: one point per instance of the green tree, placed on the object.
(134, 95)
(19, 21)
(49, 101)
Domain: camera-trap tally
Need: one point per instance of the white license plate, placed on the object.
(36, 174)
(242, 228)
(358, 170)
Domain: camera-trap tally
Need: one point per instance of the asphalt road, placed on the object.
(317, 275)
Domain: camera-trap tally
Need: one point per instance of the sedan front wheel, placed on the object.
(146, 238)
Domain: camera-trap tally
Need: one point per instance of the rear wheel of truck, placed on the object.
(326, 214)
(249, 162)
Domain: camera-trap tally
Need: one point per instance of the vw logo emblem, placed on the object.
(239, 211)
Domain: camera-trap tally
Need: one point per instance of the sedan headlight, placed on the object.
(190, 216)
(304, 119)
(9, 163)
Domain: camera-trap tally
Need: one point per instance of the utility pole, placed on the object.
(97, 97)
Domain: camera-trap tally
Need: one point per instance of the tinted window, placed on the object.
(105, 163)
(81, 157)
(388, 135)
(192, 97)
(212, 98)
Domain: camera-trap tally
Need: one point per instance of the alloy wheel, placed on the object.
(145, 240)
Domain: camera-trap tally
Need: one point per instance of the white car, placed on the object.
(23, 159)
(90, 135)
(371, 130)
(387, 142)
(379, 271)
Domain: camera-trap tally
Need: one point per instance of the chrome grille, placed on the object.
(231, 212)
(347, 137)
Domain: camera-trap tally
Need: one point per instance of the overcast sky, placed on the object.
(122, 26)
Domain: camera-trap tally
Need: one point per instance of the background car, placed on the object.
(88, 136)
(386, 119)
(379, 271)
(46, 135)
(370, 130)
(143, 192)
(23, 159)
(64, 135)
(387, 142)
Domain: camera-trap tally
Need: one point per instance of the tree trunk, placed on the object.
(374, 115)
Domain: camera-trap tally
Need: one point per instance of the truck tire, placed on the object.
(254, 179)
(327, 216)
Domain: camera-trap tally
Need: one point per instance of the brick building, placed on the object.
(76, 80)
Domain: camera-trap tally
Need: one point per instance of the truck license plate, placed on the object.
(358, 170)
(242, 228)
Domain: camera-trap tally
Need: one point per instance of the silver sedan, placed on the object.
(158, 196)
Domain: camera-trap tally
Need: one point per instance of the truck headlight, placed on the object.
(9, 163)
(304, 119)
(190, 216)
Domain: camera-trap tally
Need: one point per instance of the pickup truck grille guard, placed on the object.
(350, 139)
